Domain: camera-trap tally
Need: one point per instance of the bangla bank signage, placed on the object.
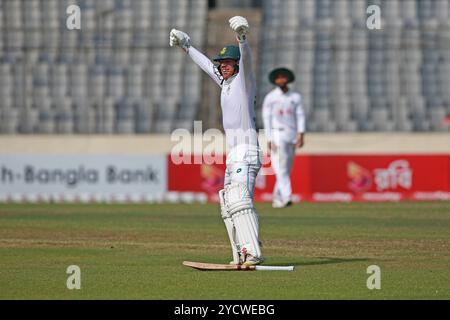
(101, 176)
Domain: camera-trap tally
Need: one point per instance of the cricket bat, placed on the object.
(231, 267)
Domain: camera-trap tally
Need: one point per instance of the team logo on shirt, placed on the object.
(238, 170)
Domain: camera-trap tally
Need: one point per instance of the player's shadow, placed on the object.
(322, 261)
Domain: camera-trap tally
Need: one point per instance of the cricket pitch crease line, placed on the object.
(93, 243)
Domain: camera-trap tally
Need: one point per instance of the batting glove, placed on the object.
(179, 38)
(240, 26)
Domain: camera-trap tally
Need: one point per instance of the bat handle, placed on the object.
(274, 268)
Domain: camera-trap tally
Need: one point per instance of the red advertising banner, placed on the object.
(196, 176)
(333, 178)
(379, 177)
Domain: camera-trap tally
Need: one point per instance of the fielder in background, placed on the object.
(233, 73)
(284, 122)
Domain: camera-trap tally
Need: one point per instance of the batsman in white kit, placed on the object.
(284, 124)
(232, 71)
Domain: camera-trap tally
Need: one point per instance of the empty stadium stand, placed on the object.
(117, 75)
(356, 79)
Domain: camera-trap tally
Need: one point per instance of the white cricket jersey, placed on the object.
(283, 115)
(238, 97)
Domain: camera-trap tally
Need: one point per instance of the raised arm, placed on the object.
(205, 64)
(245, 64)
(182, 40)
(241, 27)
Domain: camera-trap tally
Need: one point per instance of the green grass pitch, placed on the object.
(136, 251)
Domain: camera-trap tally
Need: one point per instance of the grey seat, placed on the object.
(167, 109)
(380, 116)
(163, 125)
(105, 115)
(144, 116)
(437, 116)
(84, 116)
(125, 116)
(28, 119)
(46, 123)
(63, 113)
(9, 120)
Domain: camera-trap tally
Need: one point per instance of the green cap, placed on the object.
(229, 52)
(285, 71)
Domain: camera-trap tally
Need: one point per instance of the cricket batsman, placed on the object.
(284, 124)
(232, 71)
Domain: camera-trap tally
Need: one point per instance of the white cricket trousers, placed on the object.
(282, 159)
(243, 165)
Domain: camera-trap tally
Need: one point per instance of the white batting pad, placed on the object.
(237, 198)
(230, 228)
(247, 228)
(239, 205)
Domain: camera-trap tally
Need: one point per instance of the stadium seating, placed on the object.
(105, 78)
(118, 75)
(355, 79)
